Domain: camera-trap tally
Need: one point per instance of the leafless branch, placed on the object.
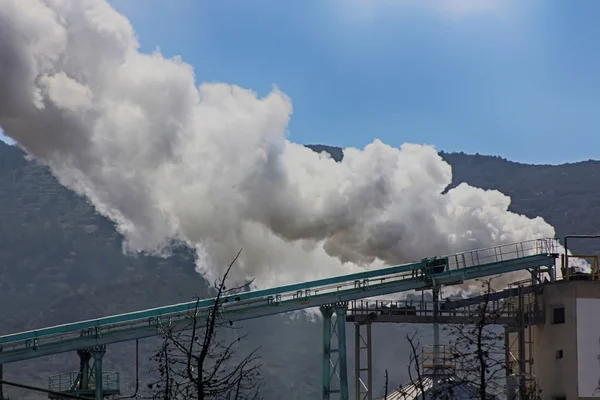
(478, 349)
(193, 363)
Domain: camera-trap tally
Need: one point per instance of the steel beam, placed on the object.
(243, 298)
(72, 338)
(462, 270)
(442, 320)
(503, 294)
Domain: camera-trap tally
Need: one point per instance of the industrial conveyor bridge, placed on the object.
(331, 295)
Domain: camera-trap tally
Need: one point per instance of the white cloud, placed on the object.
(210, 164)
(5, 138)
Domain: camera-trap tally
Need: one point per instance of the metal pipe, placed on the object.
(521, 339)
(369, 363)
(507, 352)
(436, 336)
(137, 373)
(357, 361)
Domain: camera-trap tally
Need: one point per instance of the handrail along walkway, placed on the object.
(446, 270)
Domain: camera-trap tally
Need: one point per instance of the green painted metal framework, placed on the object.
(329, 293)
(334, 351)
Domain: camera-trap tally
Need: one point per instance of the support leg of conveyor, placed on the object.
(340, 313)
(363, 387)
(436, 337)
(84, 369)
(334, 351)
(511, 387)
(98, 354)
(1, 379)
(521, 341)
(327, 313)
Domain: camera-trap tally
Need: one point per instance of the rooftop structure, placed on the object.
(449, 388)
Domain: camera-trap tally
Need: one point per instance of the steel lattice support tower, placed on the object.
(334, 351)
(363, 373)
(98, 354)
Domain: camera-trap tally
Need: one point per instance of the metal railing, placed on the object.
(505, 252)
(71, 381)
(502, 308)
(438, 357)
(303, 292)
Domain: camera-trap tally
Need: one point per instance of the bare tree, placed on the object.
(415, 367)
(475, 354)
(421, 375)
(385, 395)
(194, 363)
(479, 346)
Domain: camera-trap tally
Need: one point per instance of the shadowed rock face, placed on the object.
(60, 261)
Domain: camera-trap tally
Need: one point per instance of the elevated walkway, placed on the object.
(332, 295)
(445, 270)
(450, 312)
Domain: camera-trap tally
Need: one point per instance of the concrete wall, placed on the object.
(558, 377)
(588, 347)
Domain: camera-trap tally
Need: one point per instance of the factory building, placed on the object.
(562, 352)
(552, 340)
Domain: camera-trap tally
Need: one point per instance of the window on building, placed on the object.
(558, 315)
(559, 354)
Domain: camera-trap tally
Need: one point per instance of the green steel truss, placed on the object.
(330, 294)
(335, 371)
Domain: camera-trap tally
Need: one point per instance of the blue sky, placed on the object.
(511, 78)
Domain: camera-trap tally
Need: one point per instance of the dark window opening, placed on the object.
(559, 354)
(558, 315)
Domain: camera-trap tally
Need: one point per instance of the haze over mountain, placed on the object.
(61, 261)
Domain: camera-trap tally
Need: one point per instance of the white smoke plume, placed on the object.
(211, 165)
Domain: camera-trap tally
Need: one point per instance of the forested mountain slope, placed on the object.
(60, 261)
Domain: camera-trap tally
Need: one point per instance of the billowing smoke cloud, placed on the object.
(211, 166)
